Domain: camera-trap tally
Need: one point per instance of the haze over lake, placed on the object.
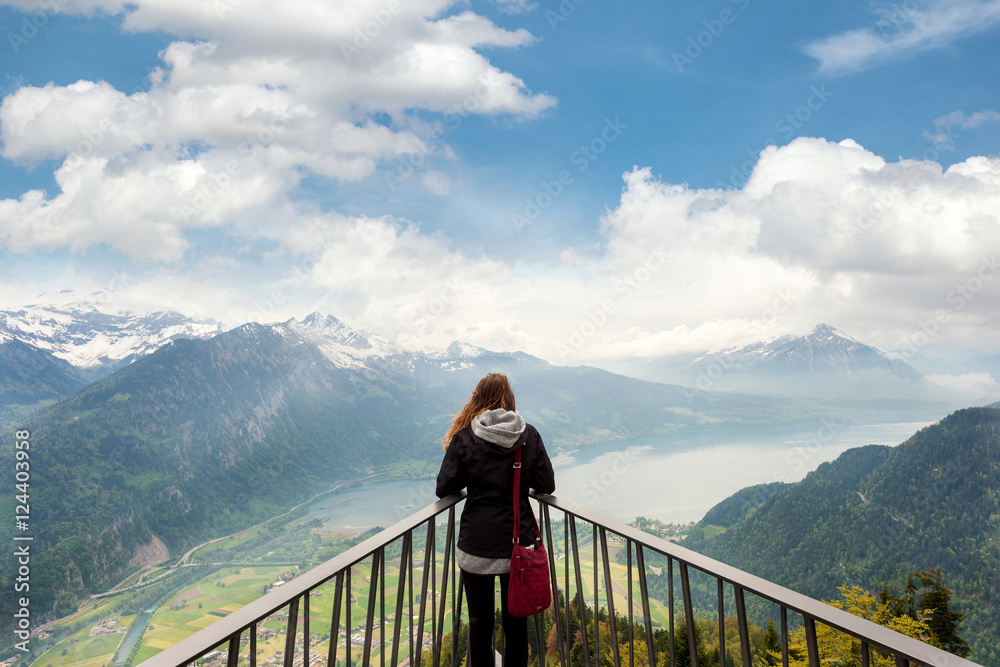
(673, 478)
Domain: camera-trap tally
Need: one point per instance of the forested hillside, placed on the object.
(878, 513)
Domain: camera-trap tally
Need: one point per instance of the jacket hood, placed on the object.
(501, 427)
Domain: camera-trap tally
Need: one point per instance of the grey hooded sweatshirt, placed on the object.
(480, 459)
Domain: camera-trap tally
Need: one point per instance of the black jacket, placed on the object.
(487, 471)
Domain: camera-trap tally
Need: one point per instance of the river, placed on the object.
(674, 478)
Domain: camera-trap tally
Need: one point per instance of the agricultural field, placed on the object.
(204, 601)
(82, 652)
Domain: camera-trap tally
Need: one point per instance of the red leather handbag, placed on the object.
(528, 592)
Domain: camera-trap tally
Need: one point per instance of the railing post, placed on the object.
(811, 645)
(347, 616)
(553, 577)
(233, 656)
(689, 615)
(434, 600)
(409, 598)
(597, 601)
(377, 559)
(338, 594)
(429, 548)
(784, 637)
(439, 637)
(610, 592)
(670, 608)
(305, 629)
(579, 591)
(293, 613)
(722, 624)
(381, 611)
(456, 624)
(566, 554)
(631, 613)
(741, 620)
(646, 617)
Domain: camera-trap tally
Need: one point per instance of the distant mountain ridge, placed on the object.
(824, 363)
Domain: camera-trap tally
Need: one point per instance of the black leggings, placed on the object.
(479, 591)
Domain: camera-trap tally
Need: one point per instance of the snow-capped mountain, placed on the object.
(824, 363)
(824, 349)
(463, 356)
(347, 347)
(96, 339)
(343, 345)
(93, 340)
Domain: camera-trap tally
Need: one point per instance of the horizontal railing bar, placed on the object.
(202, 642)
(908, 648)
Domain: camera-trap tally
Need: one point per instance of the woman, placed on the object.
(479, 456)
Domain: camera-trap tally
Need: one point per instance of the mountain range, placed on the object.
(173, 432)
(209, 434)
(51, 350)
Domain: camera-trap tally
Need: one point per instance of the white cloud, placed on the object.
(253, 101)
(967, 121)
(903, 31)
(516, 6)
(943, 137)
(437, 183)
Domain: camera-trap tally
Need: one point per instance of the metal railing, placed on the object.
(426, 619)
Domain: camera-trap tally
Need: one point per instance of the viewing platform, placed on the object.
(397, 600)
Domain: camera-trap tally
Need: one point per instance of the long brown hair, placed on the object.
(492, 392)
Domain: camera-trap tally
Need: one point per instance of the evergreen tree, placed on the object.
(768, 652)
(682, 650)
(944, 622)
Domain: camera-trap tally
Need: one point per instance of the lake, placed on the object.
(674, 478)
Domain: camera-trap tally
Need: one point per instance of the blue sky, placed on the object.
(493, 171)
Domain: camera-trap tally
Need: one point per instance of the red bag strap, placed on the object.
(517, 492)
(517, 500)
